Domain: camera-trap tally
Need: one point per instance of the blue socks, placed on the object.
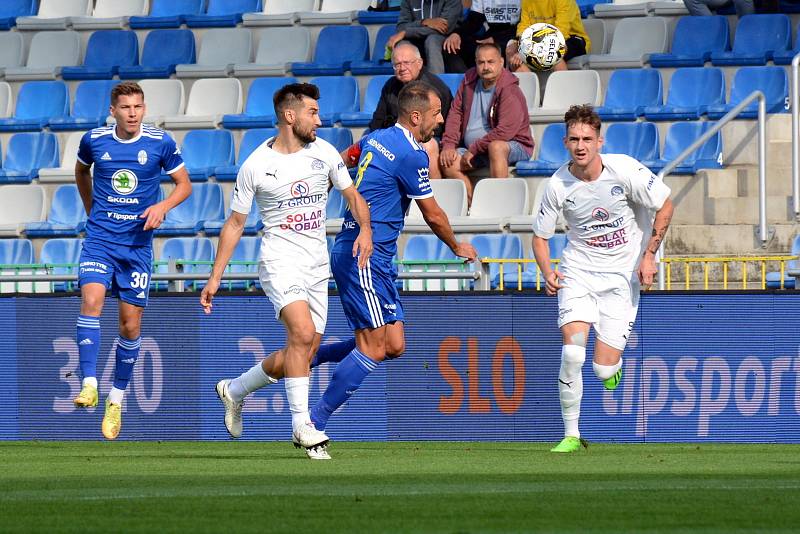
(127, 354)
(333, 352)
(346, 379)
(88, 337)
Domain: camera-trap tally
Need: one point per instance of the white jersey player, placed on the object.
(288, 176)
(608, 203)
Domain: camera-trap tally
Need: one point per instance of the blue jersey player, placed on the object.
(122, 200)
(392, 171)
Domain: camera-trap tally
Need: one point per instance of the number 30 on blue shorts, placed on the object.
(124, 269)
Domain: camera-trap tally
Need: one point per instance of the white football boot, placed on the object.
(233, 409)
(315, 442)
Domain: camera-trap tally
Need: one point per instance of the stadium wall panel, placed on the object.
(698, 367)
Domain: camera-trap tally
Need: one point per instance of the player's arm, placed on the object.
(83, 180)
(154, 215)
(647, 267)
(362, 246)
(552, 278)
(437, 219)
(543, 229)
(228, 239)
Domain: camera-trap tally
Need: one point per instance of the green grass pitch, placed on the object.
(397, 487)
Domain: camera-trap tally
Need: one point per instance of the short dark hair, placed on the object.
(125, 89)
(414, 96)
(291, 95)
(495, 46)
(584, 114)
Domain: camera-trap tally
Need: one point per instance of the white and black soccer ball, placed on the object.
(541, 46)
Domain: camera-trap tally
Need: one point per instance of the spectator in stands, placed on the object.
(427, 24)
(705, 7)
(488, 21)
(488, 119)
(564, 15)
(408, 66)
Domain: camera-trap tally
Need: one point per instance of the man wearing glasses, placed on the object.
(408, 66)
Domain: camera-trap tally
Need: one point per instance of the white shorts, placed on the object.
(284, 283)
(608, 301)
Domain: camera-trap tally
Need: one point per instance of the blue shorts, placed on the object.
(369, 296)
(124, 269)
(516, 153)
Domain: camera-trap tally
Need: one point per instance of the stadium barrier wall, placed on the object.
(698, 368)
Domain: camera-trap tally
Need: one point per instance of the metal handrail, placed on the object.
(762, 166)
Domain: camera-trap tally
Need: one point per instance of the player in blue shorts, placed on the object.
(392, 171)
(122, 200)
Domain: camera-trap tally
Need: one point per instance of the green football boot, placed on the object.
(612, 383)
(570, 444)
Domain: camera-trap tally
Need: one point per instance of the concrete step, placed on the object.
(727, 239)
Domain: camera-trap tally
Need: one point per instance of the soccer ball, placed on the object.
(541, 46)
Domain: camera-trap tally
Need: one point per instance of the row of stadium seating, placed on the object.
(222, 52)
(61, 255)
(631, 94)
(210, 153)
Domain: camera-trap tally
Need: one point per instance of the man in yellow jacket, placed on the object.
(564, 15)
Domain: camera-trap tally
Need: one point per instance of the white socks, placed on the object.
(90, 381)
(570, 387)
(116, 395)
(604, 372)
(297, 394)
(251, 380)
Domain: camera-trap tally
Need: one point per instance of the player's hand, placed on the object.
(362, 248)
(447, 157)
(452, 44)
(647, 270)
(466, 251)
(439, 24)
(466, 160)
(154, 216)
(552, 283)
(212, 286)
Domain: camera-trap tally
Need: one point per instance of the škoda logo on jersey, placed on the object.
(124, 182)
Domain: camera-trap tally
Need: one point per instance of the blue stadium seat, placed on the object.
(223, 13)
(371, 98)
(11, 9)
(167, 14)
(259, 111)
(452, 80)
(679, 136)
(629, 92)
(378, 65)
(205, 150)
(67, 217)
(204, 204)
(639, 140)
(250, 141)
(340, 138)
(106, 52)
(187, 249)
(16, 252)
(27, 153)
(774, 277)
(390, 16)
(62, 256)
(587, 6)
(252, 225)
(757, 39)
(163, 50)
(247, 249)
(684, 101)
(336, 206)
(772, 81)
(511, 276)
(90, 109)
(338, 94)
(422, 247)
(337, 47)
(785, 58)
(695, 39)
(552, 153)
(37, 102)
(498, 246)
